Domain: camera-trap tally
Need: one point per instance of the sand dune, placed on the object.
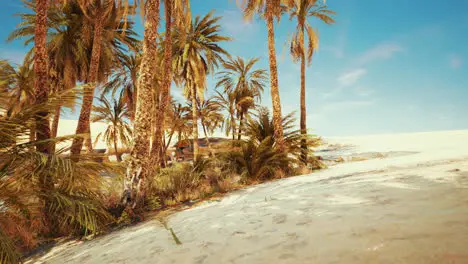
(409, 208)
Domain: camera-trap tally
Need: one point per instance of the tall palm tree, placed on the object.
(70, 41)
(269, 9)
(197, 55)
(302, 10)
(247, 84)
(139, 167)
(118, 129)
(41, 71)
(176, 12)
(105, 15)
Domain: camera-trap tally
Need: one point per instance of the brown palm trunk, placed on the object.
(195, 123)
(239, 135)
(303, 124)
(41, 71)
(55, 123)
(87, 105)
(42, 91)
(233, 123)
(165, 89)
(208, 143)
(169, 141)
(139, 169)
(275, 97)
(117, 154)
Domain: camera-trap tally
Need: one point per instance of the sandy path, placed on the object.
(405, 209)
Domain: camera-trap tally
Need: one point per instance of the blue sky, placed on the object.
(384, 67)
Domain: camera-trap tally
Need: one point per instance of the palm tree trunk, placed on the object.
(159, 126)
(303, 125)
(85, 113)
(55, 123)
(239, 135)
(195, 123)
(42, 91)
(41, 71)
(233, 128)
(117, 154)
(32, 134)
(169, 141)
(208, 143)
(139, 169)
(275, 97)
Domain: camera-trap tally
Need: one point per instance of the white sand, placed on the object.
(406, 209)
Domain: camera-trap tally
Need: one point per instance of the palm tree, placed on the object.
(178, 12)
(18, 81)
(73, 198)
(197, 55)
(179, 120)
(41, 71)
(99, 12)
(139, 167)
(211, 117)
(118, 128)
(125, 78)
(227, 101)
(302, 10)
(247, 84)
(269, 9)
(70, 42)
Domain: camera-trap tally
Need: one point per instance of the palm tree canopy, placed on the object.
(302, 10)
(115, 115)
(252, 7)
(198, 52)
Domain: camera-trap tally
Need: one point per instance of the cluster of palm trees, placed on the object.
(93, 44)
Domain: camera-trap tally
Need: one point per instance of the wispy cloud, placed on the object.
(382, 51)
(346, 79)
(456, 62)
(351, 77)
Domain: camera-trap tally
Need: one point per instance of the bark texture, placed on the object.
(166, 86)
(138, 168)
(41, 71)
(87, 105)
(303, 125)
(195, 123)
(42, 92)
(275, 97)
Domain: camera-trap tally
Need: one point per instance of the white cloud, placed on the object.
(456, 62)
(351, 77)
(382, 51)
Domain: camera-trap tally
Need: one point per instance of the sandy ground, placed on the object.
(409, 204)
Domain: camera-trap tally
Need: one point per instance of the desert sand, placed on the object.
(407, 202)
